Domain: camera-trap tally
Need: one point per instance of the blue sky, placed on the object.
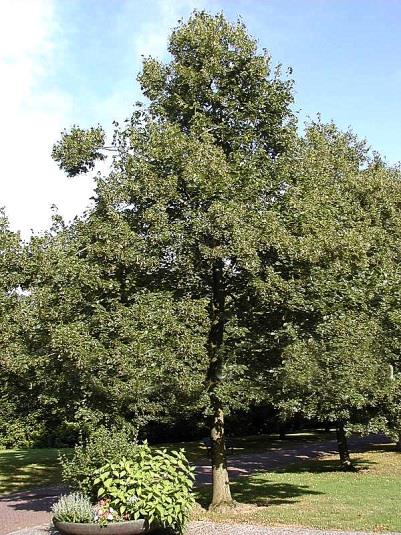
(75, 61)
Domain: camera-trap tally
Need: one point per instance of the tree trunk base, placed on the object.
(223, 507)
(342, 444)
(398, 446)
(347, 466)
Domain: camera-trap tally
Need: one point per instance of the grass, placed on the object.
(315, 494)
(29, 468)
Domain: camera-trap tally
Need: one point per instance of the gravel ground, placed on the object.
(210, 528)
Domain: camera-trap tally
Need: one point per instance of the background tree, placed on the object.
(390, 315)
(339, 229)
(19, 424)
(391, 409)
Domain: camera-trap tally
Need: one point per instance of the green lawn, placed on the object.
(27, 469)
(315, 494)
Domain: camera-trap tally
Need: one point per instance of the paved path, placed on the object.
(23, 509)
(32, 508)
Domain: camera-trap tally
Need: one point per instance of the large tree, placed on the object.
(192, 185)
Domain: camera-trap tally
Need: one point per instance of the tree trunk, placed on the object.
(398, 444)
(221, 485)
(342, 443)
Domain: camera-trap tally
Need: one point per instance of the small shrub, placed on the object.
(73, 508)
(155, 485)
(102, 446)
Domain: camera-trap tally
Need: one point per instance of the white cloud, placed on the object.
(34, 110)
(32, 116)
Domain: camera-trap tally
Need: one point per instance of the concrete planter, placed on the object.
(132, 527)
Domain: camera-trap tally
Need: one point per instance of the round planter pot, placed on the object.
(132, 527)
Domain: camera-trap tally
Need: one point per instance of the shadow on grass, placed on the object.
(317, 466)
(380, 448)
(259, 491)
(28, 469)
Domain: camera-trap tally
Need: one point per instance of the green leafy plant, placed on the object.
(155, 485)
(102, 446)
(73, 508)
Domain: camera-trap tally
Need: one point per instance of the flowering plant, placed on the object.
(73, 508)
(103, 512)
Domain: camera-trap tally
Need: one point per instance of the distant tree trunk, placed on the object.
(398, 444)
(282, 431)
(221, 484)
(343, 450)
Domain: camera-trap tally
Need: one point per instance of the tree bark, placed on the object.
(398, 444)
(221, 485)
(282, 431)
(342, 443)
